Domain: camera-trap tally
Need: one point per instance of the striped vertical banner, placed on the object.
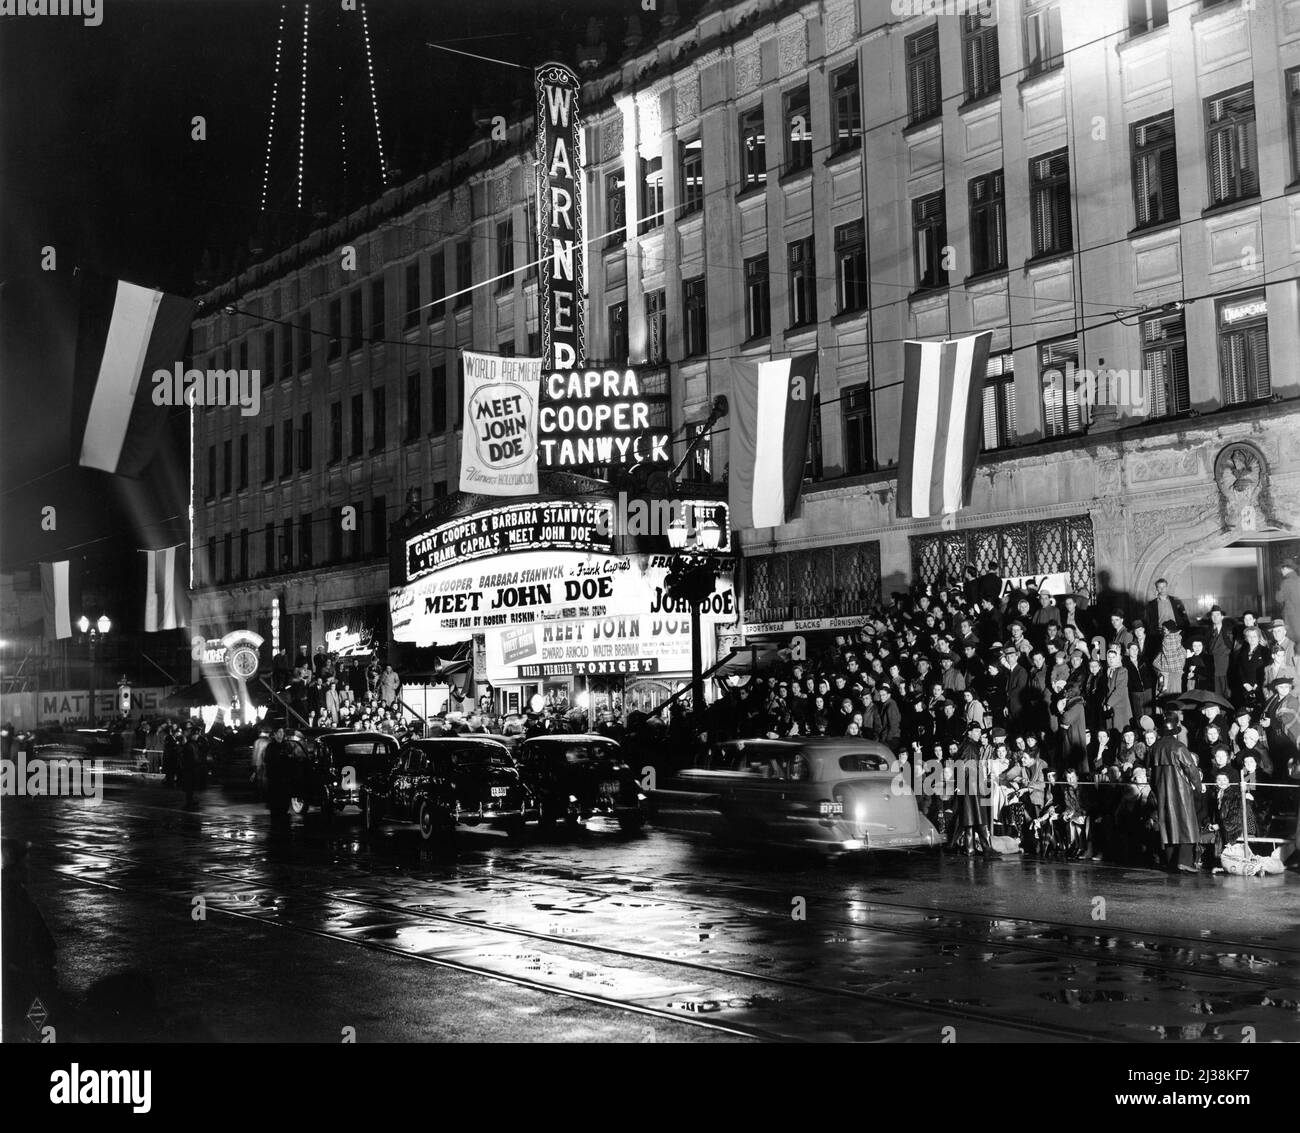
(771, 418)
(57, 599)
(943, 385)
(166, 600)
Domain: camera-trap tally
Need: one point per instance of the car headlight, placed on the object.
(860, 812)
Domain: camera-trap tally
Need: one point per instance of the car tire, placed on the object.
(370, 813)
(428, 822)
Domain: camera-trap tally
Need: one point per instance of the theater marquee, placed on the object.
(603, 417)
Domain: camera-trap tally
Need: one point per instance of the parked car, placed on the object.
(577, 776)
(835, 793)
(338, 763)
(446, 782)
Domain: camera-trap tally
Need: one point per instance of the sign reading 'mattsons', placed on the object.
(559, 215)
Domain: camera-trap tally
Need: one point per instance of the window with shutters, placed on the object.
(464, 274)
(1147, 15)
(1293, 119)
(336, 432)
(798, 130)
(286, 449)
(268, 357)
(691, 170)
(412, 406)
(812, 469)
(227, 470)
(851, 266)
(753, 149)
(505, 255)
(378, 419)
(1164, 364)
(988, 223)
(922, 53)
(656, 319)
(1042, 22)
(336, 329)
(305, 341)
(855, 408)
(1155, 171)
(758, 308)
(652, 194)
(929, 238)
(438, 395)
(1243, 348)
(437, 286)
(1049, 203)
(1230, 151)
(617, 318)
(615, 209)
(268, 454)
(378, 314)
(1065, 406)
(801, 279)
(358, 424)
(356, 321)
(846, 108)
(981, 70)
(999, 404)
(695, 317)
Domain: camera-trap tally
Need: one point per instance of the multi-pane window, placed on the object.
(304, 444)
(304, 540)
(615, 209)
(980, 67)
(999, 402)
(851, 266)
(336, 329)
(243, 552)
(506, 348)
(692, 176)
(1243, 348)
(1164, 365)
(923, 98)
(379, 522)
(1230, 150)
(358, 424)
(437, 286)
(801, 268)
(379, 419)
(286, 353)
(1049, 203)
(378, 315)
(286, 545)
(1155, 171)
(227, 469)
(356, 321)
(336, 535)
(1065, 406)
(268, 357)
(855, 408)
(846, 108)
(460, 394)
(1293, 119)
(227, 563)
(268, 547)
(812, 469)
(464, 273)
(286, 448)
(656, 320)
(1147, 15)
(798, 130)
(412, 294)
(438, 395)
(212, 558)
(1043, 50)
(412, 406)
(505, 255)
(243, 461)
(336, 431)
(210, 485)
(753, 149)
(695, 317)
(699, 468)
(758, 309)
(268, 454)
(929, 239)
(652, 193)
(617, 316)
(988, 223)
(305, 341)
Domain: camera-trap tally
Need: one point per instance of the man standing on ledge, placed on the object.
(1164, 607)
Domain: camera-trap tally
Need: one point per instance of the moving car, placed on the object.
(337, 764)
(443, 783)
(837, 794)
(577, 776)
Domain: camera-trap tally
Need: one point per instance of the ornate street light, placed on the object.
(92, 632)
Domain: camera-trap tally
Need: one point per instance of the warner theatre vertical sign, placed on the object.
(559, 216)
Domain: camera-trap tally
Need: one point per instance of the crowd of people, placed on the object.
(1076, 731)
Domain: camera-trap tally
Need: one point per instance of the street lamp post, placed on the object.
(691, 578)
(93, 631)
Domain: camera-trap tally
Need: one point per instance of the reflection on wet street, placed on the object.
(669, 929)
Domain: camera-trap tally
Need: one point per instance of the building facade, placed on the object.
(1109, 188)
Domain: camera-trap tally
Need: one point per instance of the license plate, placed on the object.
(831, 808)
(610, 789)
(499, 792)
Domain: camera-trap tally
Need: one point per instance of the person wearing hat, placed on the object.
(1170, 660)
(1218, 647)
(1015, 688)
(1175, 781)
(277, 763)
(1117, 707)
(1045, 616)
(1118, 633)
(973, 794)
(190, 766)
(1246, 671)
(1164, 607)
(1070, 729)
(951, 677)
(1288, 594)
(1281, 723)
(1278, 639)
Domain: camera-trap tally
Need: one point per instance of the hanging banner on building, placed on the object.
(603, 417)
(498, 455)
(1056, 585)
(594, 647)
(559, 215)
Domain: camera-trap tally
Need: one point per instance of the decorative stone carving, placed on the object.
(792, 50)
(611, 137)
(688, 100)
(839, 24)
(503, 200)
(749, 68)
(1241, 475)
(460, 210)
(1148, 526)
(649, 127)
(1164, 465)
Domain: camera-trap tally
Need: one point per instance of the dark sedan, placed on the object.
(337, 765)
(578, 776)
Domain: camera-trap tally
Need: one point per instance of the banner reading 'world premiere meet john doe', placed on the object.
(498, 455)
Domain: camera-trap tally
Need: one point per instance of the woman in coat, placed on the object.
(1069, 717)
(1141, 681)
(1175, 779)
(1170, 661)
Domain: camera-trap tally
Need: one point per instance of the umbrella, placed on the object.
(1202, 696)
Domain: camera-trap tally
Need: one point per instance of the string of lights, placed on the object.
(275, 96)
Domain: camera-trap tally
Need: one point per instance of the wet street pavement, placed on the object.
(320, 932)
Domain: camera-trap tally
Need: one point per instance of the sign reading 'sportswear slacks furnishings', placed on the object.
(498, 455)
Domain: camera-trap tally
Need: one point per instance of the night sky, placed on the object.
(97, 161)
